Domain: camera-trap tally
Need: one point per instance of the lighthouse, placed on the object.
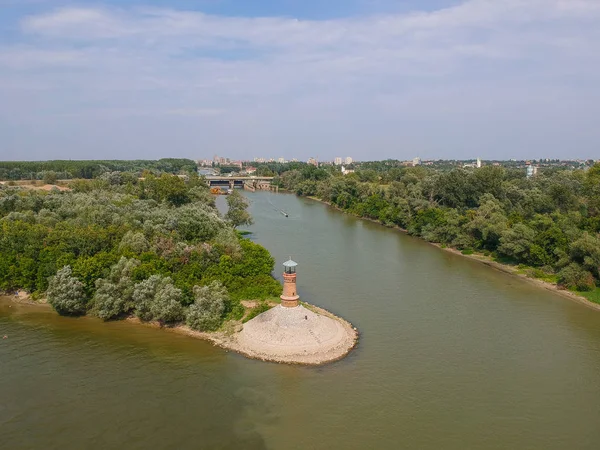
(294, 333)
(290, 297)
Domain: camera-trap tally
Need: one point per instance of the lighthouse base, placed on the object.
(290, 302)
(296, 335)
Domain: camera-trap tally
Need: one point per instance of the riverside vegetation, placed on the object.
(119, 245)
(51, 171)
(547, 225)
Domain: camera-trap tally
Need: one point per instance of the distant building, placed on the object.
(349, 160)
(416, 161)
(281, 160)
(313, 162)
(478, 163)
(346, 171)
(337, 161)
(531, 170)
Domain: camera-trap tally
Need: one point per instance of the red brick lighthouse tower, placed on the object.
(290, 297)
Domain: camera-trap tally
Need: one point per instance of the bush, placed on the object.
(576, 277)
(206, 314)
(50, 177)
(66, 294)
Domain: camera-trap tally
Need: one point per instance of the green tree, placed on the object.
(66, 294)
(167, 307)
(144, 295)
(135, 242)
(238, 214)
(114, 295)
(50, 177)
(207, 311)
(488, 223)
(516, 242)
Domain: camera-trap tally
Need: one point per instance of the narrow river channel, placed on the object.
(452, 355)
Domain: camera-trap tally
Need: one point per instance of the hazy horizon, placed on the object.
(370, 79)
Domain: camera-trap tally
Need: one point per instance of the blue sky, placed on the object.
(366, 78)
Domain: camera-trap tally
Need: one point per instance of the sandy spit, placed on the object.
(226, 338)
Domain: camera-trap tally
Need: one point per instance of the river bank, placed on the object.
(227, 337)
(511, 270)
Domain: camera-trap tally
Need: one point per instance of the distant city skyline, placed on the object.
(441, 79)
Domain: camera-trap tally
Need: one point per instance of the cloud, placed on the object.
(485, 60)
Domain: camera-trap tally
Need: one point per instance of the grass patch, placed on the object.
(539, 274)
(467, 251)
(244, 233)
(259, 309)
(592, 296)
(274, 300)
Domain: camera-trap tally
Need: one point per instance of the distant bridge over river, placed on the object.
(249, 183)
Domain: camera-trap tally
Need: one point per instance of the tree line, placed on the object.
(549, 224)
(68, 169)
(118, 245)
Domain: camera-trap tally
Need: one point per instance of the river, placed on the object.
(452, 355)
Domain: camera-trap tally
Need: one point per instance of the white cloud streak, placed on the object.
(280, 85)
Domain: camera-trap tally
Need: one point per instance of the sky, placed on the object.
(371, 79)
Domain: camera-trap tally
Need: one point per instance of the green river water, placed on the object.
(452, 355)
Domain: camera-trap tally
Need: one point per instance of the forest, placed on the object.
(118, 245)
(68, 169)
(548, 225)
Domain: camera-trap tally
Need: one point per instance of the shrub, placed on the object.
(576, 277)
(50, 177)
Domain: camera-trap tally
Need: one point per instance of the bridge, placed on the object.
(249, 183)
